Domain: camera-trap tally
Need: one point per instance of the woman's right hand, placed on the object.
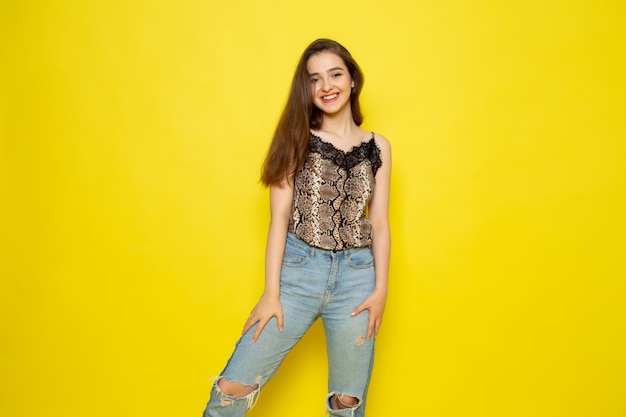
(266, 308)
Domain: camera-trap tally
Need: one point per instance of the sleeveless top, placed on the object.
(331, 194)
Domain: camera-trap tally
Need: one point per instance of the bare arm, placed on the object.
(381, 240)
(269, 305)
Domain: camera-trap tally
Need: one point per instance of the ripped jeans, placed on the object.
(314, 283)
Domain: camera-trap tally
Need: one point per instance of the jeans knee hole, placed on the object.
(342, 402)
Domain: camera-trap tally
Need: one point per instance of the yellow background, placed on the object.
(133, 224)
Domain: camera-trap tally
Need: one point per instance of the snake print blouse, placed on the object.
(331, 193)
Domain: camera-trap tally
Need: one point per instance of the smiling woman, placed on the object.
(331, 83)
(324, 258)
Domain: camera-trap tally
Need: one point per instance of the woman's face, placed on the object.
(331, 83)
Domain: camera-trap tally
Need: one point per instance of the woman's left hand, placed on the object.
(375, 303)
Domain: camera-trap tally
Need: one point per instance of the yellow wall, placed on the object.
(133, 225)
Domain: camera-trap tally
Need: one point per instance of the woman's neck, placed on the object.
(340, 125)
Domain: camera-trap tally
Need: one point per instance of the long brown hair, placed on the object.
(289, 148)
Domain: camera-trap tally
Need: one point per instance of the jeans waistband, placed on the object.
(312, 250)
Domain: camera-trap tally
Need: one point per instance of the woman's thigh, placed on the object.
(350, 354)
(302, 288)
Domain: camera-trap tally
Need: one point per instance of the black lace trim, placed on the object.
(365, 151)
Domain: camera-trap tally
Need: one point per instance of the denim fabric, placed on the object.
(314, 283)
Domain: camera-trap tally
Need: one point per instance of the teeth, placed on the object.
(332, 96)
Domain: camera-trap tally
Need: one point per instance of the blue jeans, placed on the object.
(313, 283)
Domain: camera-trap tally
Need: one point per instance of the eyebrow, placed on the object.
(330, 70)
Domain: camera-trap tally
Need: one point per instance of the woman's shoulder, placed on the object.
(384, 151)
(382, 142)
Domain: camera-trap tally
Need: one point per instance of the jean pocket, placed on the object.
(361, 259)
(294, 259)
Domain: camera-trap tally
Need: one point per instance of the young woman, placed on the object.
(328, 244)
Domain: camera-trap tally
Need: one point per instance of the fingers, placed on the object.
(253, 319)
(375, 304)
(373, 326)
(374, 321)
(262, 323)
(370, 327)
(279, 318)
(358, 310)
(249, 323)
(258, 330)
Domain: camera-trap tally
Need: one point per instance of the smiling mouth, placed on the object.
(330, 97)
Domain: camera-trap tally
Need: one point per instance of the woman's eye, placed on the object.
(337, 74)
(314, 80)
